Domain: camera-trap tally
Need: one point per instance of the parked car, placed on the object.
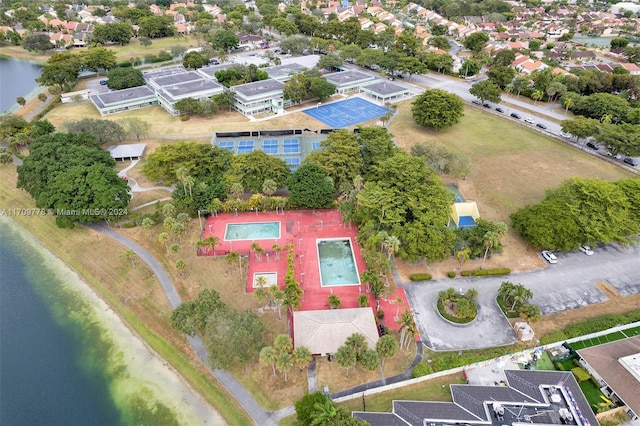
(566, 135)
(499, 109)
(593, 146)
(486, 105)
(631, 161)
(515, 115)
(549, 256)
(476, 101)
(103, 82)
(214, 62)
(528, 120)
(541, 125)
(586, 250)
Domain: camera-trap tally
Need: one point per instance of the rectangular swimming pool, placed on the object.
(337, 262)
(252, 231)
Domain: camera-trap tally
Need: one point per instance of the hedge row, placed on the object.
(589, 326)
(421, 369)
(420, 277)
(484, 272)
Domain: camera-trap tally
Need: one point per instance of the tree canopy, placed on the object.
(580, 211)
(251, 170)
(339, 157)
(486, 90)
(70, 174)
(437, 109)
(310, 187)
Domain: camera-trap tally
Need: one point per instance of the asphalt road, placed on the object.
(569, 284)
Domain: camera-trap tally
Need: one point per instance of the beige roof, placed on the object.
(325, 331)
(604, 359)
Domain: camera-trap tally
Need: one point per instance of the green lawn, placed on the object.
(591, 392)
(611, 337)
(135, 49)
(430, 390)
(545, 363)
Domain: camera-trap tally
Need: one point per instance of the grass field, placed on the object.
(591, 392)
(611, 337)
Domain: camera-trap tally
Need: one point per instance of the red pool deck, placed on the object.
(302, 228)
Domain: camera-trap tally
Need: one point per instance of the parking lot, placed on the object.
(568, 284)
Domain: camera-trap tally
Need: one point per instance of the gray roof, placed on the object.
(257, 88)
(416, 411)
(539, 396)
(161, 72)
(210, 71)
(345, 78)
(379, 419)
(383, 88)
(115, 97)
(179, 78)
(120, 152)
(280, 72)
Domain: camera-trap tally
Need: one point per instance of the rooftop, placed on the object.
(126, 152)
(347, 77)
(382, 88)
(258, 88)
(115, 97)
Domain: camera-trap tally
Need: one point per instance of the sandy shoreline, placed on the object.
(147, 374)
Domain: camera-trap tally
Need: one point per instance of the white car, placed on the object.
(549, 256)
(586, 250)
(528, 120)
(566, 135)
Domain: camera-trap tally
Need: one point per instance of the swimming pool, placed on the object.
(252, 231)
(337, 262)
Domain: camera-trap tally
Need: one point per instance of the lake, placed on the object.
(67, 359)
(17, 78)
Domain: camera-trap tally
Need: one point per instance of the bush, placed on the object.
(454, 319)
(125, 64)
(421, 369)
(380, 314)
(420, 277)
(505, 309)
(485, 272)
(581, 374)
(184, 117)
(42, 97)
(451, 274)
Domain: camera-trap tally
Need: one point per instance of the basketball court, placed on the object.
(346, 113)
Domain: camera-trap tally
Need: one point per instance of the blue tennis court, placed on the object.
(346, 113)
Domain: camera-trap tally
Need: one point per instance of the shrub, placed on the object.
(421, 369)
(451, 274)
(42, 97)
(589, 326)
(485, 272)
(125, 64)
(459, 320)
(380, 314)
(184, 117)
(581, 374)
(420, 277)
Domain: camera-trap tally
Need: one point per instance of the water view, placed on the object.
(337, 263)
(17, 79)
(67, 359)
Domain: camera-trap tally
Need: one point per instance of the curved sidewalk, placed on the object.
(255, 411)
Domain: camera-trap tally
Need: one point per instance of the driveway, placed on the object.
(569, 284)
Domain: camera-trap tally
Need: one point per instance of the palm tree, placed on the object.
(178, 229)
(277, 249)
(284, 363)
(358, 342)
(392, 244)
(268, 356)
(175, 248)
(370, 360)
(256, 250)
(462, 256)
(168, 223)
(164, 239)
(181, 265)
(520, 295)
(236, 190)
(505, 292)
(568, 103)
(472, 294)
(232, 258)
(406, 325)
(215, 206)
(269, 187)
(387, 346)
(283, 343)
(537, 95)
(363, 300)
(130, 255)
(346, 357)
(530, 312)
(334, 301)
(301, 357)
(489, 240)
(278, 297)
(147, 223)
(168, 210)
(210, 243)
